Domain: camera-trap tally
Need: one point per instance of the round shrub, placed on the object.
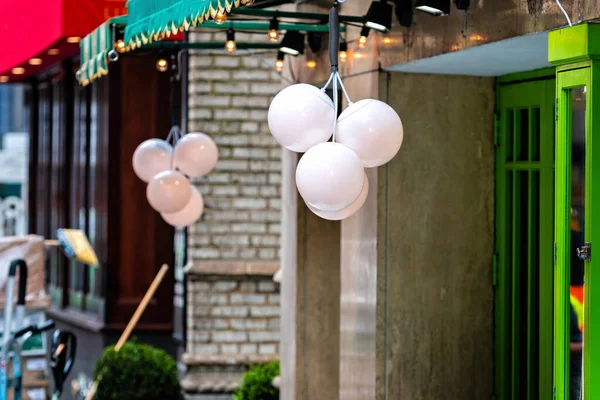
(136, 372)
(257, 383)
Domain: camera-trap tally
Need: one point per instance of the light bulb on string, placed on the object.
(330, 176)
(364, 37)
(220, 17)
(230, 45)
(162, 65)
(274, 30)
(279, 63)
(120, 46)
(343, 51)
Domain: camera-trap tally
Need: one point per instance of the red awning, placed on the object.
(45, 32)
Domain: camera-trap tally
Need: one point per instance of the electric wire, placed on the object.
(564, 12)
(335, 105)
(324, 88)
(339, 78)
(268, 65)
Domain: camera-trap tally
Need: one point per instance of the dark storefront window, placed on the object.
(61, 182)
(83, 139)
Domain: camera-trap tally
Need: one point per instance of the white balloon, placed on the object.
(189, 214)
(330, 176)
(344, 212)
(372, 129)
(151, 158)
(300, 117)
(169, 192)
(196, 154)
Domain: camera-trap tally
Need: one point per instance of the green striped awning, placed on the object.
(94, 51)
(150, 20)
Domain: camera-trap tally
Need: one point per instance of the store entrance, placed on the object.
(524, 238)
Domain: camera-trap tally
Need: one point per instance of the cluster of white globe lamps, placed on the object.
(167, 170)
(331, 176)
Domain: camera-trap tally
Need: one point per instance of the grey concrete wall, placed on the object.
(317, 307)
(435, 241)
(358, 300)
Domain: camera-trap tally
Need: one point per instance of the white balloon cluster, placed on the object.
(330, 176)
(166, 170)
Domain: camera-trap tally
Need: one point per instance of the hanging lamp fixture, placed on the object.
(331, 176)
(167, 167)
(379, 16)
(434, 7)
(292, 43)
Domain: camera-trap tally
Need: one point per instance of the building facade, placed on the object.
(234, 250)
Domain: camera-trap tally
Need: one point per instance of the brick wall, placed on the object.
(232, 302)
(233, 316)
(229, 96)
(234, 322)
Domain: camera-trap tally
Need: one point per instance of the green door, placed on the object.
(577, 297)
(524, 239)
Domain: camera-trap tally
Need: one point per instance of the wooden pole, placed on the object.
(134, 320)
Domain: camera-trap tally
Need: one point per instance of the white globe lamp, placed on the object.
(300, 117)
(330, 176)
(196, 154)
(372, 129)
(344, 212)
(169, 192)
(151, 158)
(189, 214)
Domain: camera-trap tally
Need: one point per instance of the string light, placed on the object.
(221, 17)
(311, 64)
(3, 79)
(120, 46)
(18, 71)
(162, 65)
(364, 37)
(344, 51)
(387, 40)
(247, 2)
(53, 52)
(35, 61)
(230, 45)
(274, 30)
(73, 39)
(279, 63)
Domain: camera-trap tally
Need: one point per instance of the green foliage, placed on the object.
(257, 383)
(136, 372)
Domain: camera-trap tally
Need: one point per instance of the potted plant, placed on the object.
(257, 383)
(136, 372)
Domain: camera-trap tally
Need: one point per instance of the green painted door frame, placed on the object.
(576, 53)
(524, 235)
